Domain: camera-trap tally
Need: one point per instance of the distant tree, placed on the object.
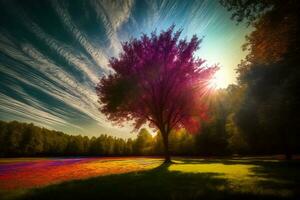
(109, 145)
(158, 145)
(3, 142)
(129, 147)
(86, 144)
(213, 138)
(237, 143)
(119, 148)
(14, 138)
(32, 143)
(182, 143)
(157, 80)
(144, 143)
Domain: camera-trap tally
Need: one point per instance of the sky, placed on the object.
(52, 53)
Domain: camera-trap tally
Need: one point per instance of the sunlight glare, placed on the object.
(218, 81)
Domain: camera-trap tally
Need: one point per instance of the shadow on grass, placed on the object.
(163, 183)
(282, 175)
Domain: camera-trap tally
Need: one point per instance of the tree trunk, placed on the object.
(165, 137)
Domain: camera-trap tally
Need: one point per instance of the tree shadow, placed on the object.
(283, 175)
(158, 183)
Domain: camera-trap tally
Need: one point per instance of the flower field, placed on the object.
(37, 172)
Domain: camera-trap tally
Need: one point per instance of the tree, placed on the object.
(236, 141)
(249, 10)
(276, 28)
(158, 145)
(182, 143)
(129, 147)
(143, 143)
(270, 74)
(157, 80)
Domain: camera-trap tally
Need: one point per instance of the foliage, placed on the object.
(157, 80)
(144, 143)
(21, 139)
(249, 10)
(269, 75)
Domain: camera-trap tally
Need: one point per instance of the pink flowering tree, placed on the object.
(158, 81)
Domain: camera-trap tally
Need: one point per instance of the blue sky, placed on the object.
(52, 53)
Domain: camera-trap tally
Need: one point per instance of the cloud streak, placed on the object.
(52, 53)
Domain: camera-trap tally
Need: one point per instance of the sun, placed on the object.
(218, 81)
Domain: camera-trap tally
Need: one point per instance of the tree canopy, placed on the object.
(269, 75)
(159, 81)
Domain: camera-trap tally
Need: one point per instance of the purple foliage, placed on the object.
(158, 80)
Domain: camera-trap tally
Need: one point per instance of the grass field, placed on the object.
(148, 178)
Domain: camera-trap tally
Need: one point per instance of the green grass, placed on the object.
(185, 179)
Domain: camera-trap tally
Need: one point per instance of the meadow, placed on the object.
(148, 178)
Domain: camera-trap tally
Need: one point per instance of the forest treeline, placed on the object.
(217, 137)
(23, 139)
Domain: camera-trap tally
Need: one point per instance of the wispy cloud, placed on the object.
(96, 53)
(32, 113)
(50, 60)
(113, 14)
